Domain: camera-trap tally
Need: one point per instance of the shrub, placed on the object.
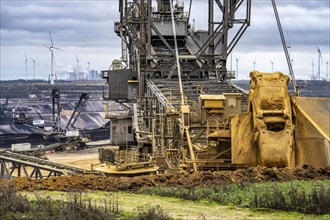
(11, 201)
(148, 212)
(297, 200)
(75, 206)
(301, 196)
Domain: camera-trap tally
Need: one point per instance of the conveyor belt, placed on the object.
(37, 163)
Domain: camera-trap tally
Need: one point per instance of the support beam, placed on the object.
(191, 150)
(200, 132)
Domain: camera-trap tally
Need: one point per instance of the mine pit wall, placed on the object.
(312, 131)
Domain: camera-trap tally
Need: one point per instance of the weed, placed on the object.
(148, 212)
(75, 206)
(11, 201)
(300, 196)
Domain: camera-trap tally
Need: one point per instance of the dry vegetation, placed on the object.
(303, 190)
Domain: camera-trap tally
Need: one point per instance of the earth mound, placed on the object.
(184, 179)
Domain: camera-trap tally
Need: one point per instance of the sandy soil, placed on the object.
(78, 158)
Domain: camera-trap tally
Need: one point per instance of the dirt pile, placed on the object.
(199, 179)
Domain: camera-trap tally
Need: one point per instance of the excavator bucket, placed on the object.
(266, 134)
(312, 131)
(280, 130)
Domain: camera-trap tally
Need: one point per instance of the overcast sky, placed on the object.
(85, 29)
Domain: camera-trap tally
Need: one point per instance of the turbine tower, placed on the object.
(254, 63)
(51, 49)
(236, 59)
(327, 63)
(313, 77)
(89, 65)
(77, 73)
(34, 67)
(290, 50)
(25, 62)
(272, 63)
(319, 62)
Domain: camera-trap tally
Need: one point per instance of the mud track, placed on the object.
(199, 179)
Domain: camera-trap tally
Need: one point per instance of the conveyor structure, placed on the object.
(18, 165)
(171, 126)
(186, 112)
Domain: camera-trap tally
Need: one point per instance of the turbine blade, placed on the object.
(47, 46)
(51, 40)
(57, 48)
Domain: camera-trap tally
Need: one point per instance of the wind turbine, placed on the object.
(319, 62)
(313, 70)
(290, 49)
(25, 62)
(272, 63)
(51, 49)
(34, 67)
(89, 65)
(327, 63)
(77, 73)
(236, 59)
(254, 63)
(231, 61)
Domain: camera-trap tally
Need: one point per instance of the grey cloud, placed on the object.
(84, 23)
(38, 17)
(86, 27)
(81, 10)
(308, 4)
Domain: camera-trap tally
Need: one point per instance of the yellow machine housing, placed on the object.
(276, 131)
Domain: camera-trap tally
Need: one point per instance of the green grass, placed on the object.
(310, 197)
(229, 202)
(179, 208)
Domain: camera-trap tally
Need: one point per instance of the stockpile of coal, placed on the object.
(198, 179)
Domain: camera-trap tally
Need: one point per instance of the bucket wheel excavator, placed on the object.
(183, 112)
